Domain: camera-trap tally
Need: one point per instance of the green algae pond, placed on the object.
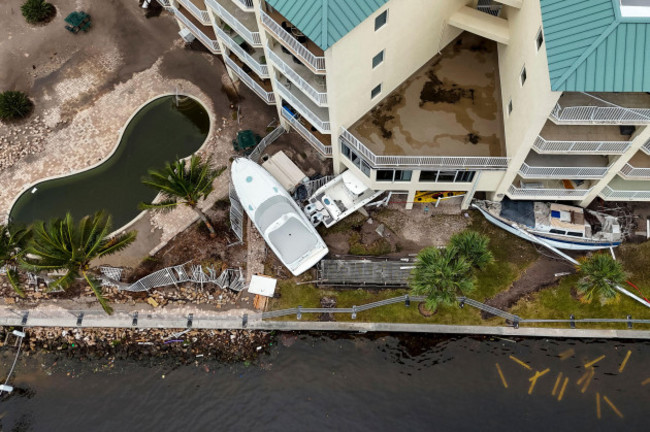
(163, 130)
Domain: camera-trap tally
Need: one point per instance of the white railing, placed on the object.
(319, 98)
(528, 171)
(165, 3)
(316, 63)
(325, 150)
(592, 147)
(268, 97)
(210, 44)
(495, 163)
(547, 193)
(251, 37)
(646, 148)
(629, 171)
(608, 193)
(201, 15)
(246, 5)
(600, 115)
(261, 69)
(322, 125)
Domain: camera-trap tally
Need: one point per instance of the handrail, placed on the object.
(260, 69)
(201, 15)
(646, 148)
(633, 172)
(528, 171)
(318, 97)
(325, 150)
(608, 192)
(212, 45)
(268, 97)
(543, 145)
(322, 125)
(265, 142)
(547, 192)
(284, 37)
(600, 115)
(165, 3)
(252, 37)
(497, 163)
(245, 5)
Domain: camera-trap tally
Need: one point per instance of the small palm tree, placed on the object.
(182, 184)
(63, 245)
(36, 11)
(474, 247)
(600, 274)
(12, 244)
(14, 104)
(441, 275)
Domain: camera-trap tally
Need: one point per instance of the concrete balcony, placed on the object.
(243, 23)
(483, 24)
(602, 108)
(322, 143)
(197, 8)
(245, 5)
(307, 51)
(549, 189)
(317, 116)
(299, 75)
(576, 139)
(626, 190)
(637, 168)
(203, 33)
(539, 166)
(253, 57)
(646, 148)
(261, 87)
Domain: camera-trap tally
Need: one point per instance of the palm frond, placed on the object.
(97, 289)
(117, 243)
(14, 281)
(164, 206)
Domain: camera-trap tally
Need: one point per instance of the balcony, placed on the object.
(549, 189)
(602, 108)
(539, 166)
(167, 4)
(317, 116)
(262, 88)
(197, 8)
(637, 168)
(314, 138)
(243, 23)
(308, 52)
(487, 25)
(448, 112)
(293, 70)
(205, 34)
(253, 57)
(646, 148)
(598, 139)
(245, 5)
(625, 190)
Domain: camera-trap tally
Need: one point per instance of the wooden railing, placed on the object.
(201, 15)
(528, 171)
(210, 44)
(323, 149)
(261, 69)
(542, 145)
(319, 98)
(322, 125)
(268, 97)
(252, 37)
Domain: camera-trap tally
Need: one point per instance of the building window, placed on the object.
(375, 92)
(394, 175)
(539, 39)
(381, 19)
(447, 176)
(378, 59)
(510, 107)
(522, 75)
(356, 159)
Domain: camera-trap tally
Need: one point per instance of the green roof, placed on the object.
(591, 47)
(326, 21)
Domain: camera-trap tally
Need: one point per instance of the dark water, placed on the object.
(158, 133)
(318, 383)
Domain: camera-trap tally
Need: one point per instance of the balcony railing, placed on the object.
(646, 148)
(210, 44)
(246, 5)
(319, 98)
(261, 69)
(167, 4)
(322, 125)
(494, 163)
(514, 191)
(268, 97)
(251, 37)
(201, 15)
(609, 193)
(284, 37)
(600, 115)
(528, 171)
(323, 149)
(586, 147)
(632, 173)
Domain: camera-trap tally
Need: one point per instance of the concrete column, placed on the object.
(467, 199)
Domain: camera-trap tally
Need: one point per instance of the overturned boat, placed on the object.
(562, 226)
(277, 217)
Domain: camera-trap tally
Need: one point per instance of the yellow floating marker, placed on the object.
(592, 372)
(583, 378)
(627, 357)
(566, 381)
(503, 379)
(598, 405)
(521, 363)
(534, 378)
(611, 405)
(593, 362)
(645, 381)
(557, 384)
(566, 354)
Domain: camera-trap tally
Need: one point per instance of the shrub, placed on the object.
(14, 104)
(474, 247)
(36, 11)
(600, 273)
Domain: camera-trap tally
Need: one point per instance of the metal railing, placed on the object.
(201, 15)
(646, 148)
(496, 163)
(628, 171)
(268, 97)
(323, 149)
(528, 171)
(260, 69)
(600, 115)
(489, 7)
(246, 5)
(266, 141)
(252, 37)
(322, 125)
(210, 44)
(609, 193)
(319, 98)
(314, 62)
(167, 4)
(547, 192)
(542, 145)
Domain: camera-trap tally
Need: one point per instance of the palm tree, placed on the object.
(36, 10)
(474, 247)
(600, 274)
(12, 244)
(181, 184)
(61, 244)
(441, 275)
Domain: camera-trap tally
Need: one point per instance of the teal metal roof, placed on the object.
(326, 21)
(591, 47)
